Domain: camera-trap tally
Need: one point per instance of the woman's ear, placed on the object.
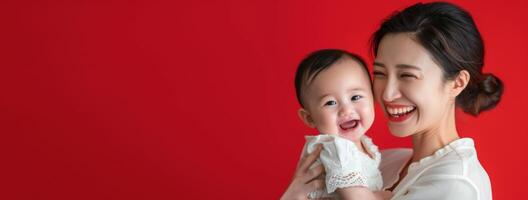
(306, 117)
(460, 82)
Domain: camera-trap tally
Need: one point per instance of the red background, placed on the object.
(194, 99)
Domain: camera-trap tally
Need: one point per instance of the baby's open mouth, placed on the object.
(349, 124)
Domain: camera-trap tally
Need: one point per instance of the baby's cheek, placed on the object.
(367, 112)
(364, 106)
(329, 126)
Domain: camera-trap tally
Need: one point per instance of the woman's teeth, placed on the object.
(400, 111)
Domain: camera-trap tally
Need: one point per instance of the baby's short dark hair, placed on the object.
(318, 61)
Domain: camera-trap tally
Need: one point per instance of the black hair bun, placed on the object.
(491, 89)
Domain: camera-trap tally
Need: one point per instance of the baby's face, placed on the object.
(339, 100)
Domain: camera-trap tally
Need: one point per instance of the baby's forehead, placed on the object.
(347, 70)
(356, 82)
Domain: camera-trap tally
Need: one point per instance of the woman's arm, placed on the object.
(363, 193)
(304, 180)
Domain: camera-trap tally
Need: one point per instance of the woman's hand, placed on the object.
(304, 181)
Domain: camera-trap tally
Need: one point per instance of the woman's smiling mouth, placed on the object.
(398, 113)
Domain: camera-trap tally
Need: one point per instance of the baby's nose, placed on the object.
(346, 110)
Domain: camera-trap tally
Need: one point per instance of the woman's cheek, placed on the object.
(378, 90)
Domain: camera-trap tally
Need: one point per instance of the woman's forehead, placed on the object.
(401, 49)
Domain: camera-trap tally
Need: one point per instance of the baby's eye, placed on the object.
(330, 103)
(356, 97)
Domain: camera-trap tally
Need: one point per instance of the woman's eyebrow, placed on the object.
(401, 66)
(406, 66)
(378, 64)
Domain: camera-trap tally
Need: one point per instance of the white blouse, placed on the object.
(452, 172)
(345, 165)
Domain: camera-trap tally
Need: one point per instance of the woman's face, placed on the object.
(409, 86)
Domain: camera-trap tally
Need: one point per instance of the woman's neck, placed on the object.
(428, 142)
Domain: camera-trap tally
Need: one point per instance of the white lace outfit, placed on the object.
(345, 165)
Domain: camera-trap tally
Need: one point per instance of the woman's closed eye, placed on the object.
(378, 74)
(407, 75)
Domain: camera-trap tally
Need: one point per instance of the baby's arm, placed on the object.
(354, 193)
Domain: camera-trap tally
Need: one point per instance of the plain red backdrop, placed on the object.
(195, 99)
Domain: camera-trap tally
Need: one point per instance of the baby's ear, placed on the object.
(306, 118)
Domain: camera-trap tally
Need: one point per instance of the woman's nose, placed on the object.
(391, 91)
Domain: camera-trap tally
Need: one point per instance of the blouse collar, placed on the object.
(462, 142)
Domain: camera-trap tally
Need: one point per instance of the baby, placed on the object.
(335, 93)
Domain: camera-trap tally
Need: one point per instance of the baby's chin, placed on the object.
(352, 135)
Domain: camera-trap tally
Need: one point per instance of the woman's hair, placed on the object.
(318, 61)
(450, 35)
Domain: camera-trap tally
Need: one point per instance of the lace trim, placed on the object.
(347, 180)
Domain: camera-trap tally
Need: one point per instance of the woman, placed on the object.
(428, 60)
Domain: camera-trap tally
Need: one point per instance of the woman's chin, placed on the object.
(399, 131)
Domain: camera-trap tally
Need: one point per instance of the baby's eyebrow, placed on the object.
(358, 89)
(352, 90)
(322, 97)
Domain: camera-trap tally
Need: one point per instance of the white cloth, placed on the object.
(345, 165)
(452, 172)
